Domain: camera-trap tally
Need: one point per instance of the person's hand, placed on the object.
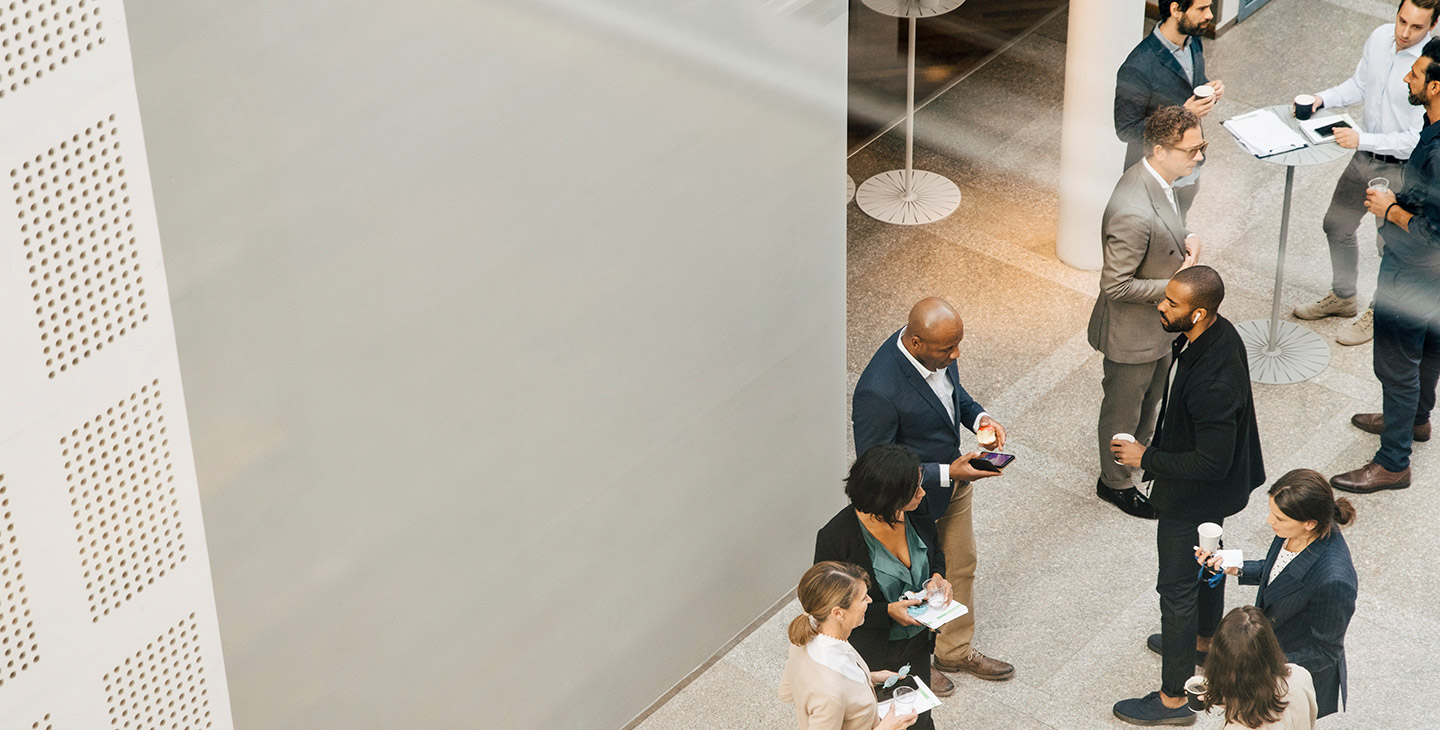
(898, 614)
(1212, 561)
(1376, 201)
(1218, 86)
(1128, 453)
(1347, 137)
(882, 675)
(893, 721)
(986, 420)
(1192, 251)
(1201, 107)
(938, 582)
(961, 469)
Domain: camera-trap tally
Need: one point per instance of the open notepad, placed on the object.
(1263, 134)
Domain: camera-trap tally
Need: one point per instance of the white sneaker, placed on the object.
(1328, 306)
(1358, 332)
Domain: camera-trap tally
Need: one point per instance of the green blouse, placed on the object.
(892, 575)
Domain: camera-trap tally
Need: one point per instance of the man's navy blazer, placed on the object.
(1149, 79)
(894, 405)
(1310, 605)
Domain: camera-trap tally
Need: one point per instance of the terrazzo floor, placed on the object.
(1065, 587)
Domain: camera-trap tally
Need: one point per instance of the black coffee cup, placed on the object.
(1304, 106)
(1195, 693)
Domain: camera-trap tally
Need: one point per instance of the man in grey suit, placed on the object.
(1145, 243)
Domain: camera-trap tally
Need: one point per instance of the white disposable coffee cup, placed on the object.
(1210, 536)
(1122, 437)
(1304, 100)
(1204, 92)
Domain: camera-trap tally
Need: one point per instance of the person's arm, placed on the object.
(1132, 102)
(876, 421)
(824, 711)
(1329, 611)
(1250, 572)
(1213, 407)
(1394, 144)
(1126, 239)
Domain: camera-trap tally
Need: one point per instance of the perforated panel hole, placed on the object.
(163, 685)
(17, 632)
(79, 238)
(39, 37)
(121, 483)
(42, 724)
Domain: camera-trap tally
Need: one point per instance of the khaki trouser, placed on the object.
(957, 539)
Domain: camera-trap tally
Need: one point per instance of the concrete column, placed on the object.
(1101, 34)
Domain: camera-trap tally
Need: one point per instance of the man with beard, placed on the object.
(1392, 127)
(1144, 243)
(1407, 298)
(1204, 460)
(1164, 71)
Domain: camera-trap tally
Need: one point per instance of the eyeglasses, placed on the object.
(1190, 151)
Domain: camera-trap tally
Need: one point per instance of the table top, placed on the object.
(913, 8)
(1314, 154)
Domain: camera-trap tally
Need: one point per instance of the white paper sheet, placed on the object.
(924, 700)
(1263, 134)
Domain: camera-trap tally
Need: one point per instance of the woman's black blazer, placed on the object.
(841, 539)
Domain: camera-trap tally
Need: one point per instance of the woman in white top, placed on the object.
(1246, 676)
(830, 685)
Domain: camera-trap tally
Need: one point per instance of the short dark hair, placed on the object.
(1305, 494)
(1431, 52)
(1245, 672)
(1206, 288)
(1184, 7)
(1168, 125)
(1432, 5)
(882, 481)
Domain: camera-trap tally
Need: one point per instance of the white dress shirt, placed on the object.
(838, 655)
(1167, 187)
(943, 390)
(1392, 125)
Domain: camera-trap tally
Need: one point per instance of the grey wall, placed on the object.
(512, 337)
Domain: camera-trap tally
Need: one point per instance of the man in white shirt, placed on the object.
(1392, 128)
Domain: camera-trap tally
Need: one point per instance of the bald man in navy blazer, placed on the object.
(910, 394)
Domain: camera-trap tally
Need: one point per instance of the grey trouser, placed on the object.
(1347, 208)
(1132, 398)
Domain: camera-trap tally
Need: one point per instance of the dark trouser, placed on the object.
(1131, 398)
(892, 655)
(1407, 355)
(1347, 209)
(1188, 608)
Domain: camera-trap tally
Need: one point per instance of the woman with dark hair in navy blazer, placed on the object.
(881, 532)
(1307, 582)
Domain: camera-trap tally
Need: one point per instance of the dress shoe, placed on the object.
(1371, 478)
(1151, 710)
(979, 665)
(1130, 501)
(941, 684)
(1375, 423)
(1153, 644)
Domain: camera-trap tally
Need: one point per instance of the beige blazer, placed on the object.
(1143, 245)
(824, 698)
(1300, 708)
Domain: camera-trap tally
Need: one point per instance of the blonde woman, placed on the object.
(831, 687)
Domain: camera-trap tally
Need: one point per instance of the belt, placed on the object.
(1384, 158)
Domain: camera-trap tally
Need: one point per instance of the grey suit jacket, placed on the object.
(1144, 245)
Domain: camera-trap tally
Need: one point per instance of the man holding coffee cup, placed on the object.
(1407, 298)
(1392, 127)
(1144, 242)
(1205, 460)
(1166, 69)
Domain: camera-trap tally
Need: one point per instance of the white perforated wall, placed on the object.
(107, 616)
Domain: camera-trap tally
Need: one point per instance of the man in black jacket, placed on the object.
(1164, 71)
(1204, 461)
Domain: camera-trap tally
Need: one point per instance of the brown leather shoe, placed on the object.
(1371, 478)
(1375, 423)
(941, 684)
(979, 665)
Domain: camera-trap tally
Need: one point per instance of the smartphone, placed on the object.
(993, 459)
(1329, 129)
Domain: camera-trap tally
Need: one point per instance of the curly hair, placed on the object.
(1168, 125)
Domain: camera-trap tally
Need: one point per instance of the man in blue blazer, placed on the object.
(1164, 71)
(910, 394)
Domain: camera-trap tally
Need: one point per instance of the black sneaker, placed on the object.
(1130, 501)
(1150, 710)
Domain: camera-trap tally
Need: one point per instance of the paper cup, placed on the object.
(1304, 106)
(1195, 693)
(1122, 437)
(1204, 92)
(1210, 536)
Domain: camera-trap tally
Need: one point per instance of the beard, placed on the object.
(1181, 324)
(1186, 28)
(1417, 99)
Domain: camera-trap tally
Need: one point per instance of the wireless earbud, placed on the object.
(1195, 319)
